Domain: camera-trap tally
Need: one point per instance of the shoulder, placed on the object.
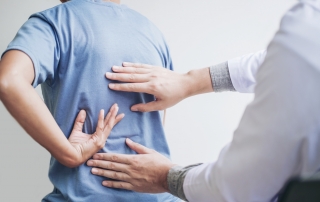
(55, 12)
(143, 22)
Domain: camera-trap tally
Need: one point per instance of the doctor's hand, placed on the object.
(167, 86)
(86, 145)
(145, 172)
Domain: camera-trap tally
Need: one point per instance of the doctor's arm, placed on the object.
(277, 139)
(169, 87)
(24, 104)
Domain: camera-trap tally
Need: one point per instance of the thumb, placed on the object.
(148, 107)
(78, 124)
(138, 147)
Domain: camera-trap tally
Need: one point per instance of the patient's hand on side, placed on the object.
(87, 145)
(17, 73)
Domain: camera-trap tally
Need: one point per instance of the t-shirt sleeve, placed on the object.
(37, 39)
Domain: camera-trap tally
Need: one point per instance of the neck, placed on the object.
(114, 1)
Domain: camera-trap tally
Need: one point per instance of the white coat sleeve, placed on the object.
(278, 136)
(243, 71)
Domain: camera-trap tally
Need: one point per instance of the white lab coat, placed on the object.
(279, 134)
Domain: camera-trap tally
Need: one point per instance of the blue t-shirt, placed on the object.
(72, 46)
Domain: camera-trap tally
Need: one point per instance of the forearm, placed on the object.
(238, 74)
(214, 79)
(29, 110)
(197, 82)
(24, 104)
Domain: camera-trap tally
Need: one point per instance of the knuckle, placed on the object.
(132, 77)
(136, 163)
(114, 158)
(154, 76)
(130, 86)
(101, 172)
(111, 184)
(121, 185)
(94, 163)
(153, 87)
(98, 142)
(112, 166)
(133, 161)
(115, 175)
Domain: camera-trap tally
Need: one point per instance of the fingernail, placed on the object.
(90, 163)
(115, 67)
(111, 85)
(109, 75)
(125, 63)
(94, 170)
(105, 183)
(129, 141)
(96, 156)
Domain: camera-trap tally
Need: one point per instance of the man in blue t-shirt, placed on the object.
(68, 49)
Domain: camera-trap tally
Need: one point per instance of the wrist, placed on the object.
(70, 156)
(198, 81)
(165, 182)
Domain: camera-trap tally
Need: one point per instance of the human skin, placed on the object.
(147, 171)
(25, 105)
(167, 86)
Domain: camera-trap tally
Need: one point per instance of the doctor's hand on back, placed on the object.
(167, 86)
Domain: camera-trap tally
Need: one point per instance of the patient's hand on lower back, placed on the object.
(85, 144)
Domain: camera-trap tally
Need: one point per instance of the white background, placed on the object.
(200, 34)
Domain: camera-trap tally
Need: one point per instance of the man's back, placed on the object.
(72, 46)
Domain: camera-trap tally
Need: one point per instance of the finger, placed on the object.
(106, 120)
(118, 185)
(138, 65)
(131, 87)
(132, 78)
(111, 121)
(138, 147)
(111, 174)
(100, 125)
(148, 107)
(131, 70)
(118, 158)
(78, 124)
(118, 119)
(108, 165)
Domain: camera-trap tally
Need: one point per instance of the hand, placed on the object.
(87, 145)
(146, 172)
(167, 86)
